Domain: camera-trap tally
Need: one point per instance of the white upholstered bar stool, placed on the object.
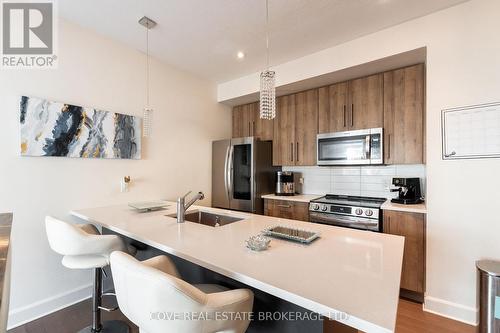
(152, 296)
(83, 247)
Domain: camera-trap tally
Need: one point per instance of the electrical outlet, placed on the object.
(124, 184)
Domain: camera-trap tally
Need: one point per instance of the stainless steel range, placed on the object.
(347, 211)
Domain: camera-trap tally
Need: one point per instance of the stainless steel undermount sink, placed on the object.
(206, 218)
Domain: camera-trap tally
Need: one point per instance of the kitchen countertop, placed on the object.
(388, 205)
(296, 197)
(418, 208)
(344, 271)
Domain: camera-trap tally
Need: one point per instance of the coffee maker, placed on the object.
(408, 190)
(285, 183)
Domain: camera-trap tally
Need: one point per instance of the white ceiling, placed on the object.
(203, 36)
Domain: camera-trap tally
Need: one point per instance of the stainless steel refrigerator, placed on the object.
(242, 171)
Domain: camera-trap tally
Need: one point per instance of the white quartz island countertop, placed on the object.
(345, 271)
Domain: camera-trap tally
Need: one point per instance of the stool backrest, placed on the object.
(156, 301)
(64, 238)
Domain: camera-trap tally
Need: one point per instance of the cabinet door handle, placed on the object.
(389, 146)
(344, 115)
(284, 206)
(291, 149)
(249, 130)
(352, 115)
(253, 128)
(297, 151)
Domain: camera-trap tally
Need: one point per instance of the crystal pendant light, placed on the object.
(147, 120)
(267, 82)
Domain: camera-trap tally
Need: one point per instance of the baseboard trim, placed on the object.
(455, 311)
(25, 314)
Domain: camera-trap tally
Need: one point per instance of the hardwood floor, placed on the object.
(411, 319)
(69, 320)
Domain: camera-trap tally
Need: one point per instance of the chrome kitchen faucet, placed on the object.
(182, 206)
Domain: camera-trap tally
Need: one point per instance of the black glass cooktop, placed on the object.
(349, 200)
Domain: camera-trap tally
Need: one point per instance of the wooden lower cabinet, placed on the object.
(293, 210)
(412, 227)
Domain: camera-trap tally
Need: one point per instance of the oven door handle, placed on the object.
(319, 217)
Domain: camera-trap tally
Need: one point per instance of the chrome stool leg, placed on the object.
(111, 326)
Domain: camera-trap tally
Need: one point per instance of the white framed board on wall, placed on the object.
(471, 132)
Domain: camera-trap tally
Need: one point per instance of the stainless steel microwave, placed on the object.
(351, 147)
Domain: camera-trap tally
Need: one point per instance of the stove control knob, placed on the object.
(324, 208)
(369, 212)
(359, 211)
(315, 206)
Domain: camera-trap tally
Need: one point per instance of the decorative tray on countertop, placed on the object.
(148, 206)
(294, 234)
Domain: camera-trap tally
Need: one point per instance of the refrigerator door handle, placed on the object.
(229, 172)
(226, 172)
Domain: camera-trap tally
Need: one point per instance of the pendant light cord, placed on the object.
(147, 66)
(267, 32)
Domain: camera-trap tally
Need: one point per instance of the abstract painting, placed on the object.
(58, 129)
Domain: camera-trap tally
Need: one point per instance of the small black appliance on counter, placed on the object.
(285, 183)
(408, 189)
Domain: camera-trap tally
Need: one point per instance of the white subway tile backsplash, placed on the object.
(347, 192)
(376, 179)
(344, 171)
(345, 179)
(386, 170)
(353, 186)
(410, 170)
(374, 187)
(315, 187)
(378, 194)
(371, 181)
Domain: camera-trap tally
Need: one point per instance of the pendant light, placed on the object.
(148, 111)
(267, 82)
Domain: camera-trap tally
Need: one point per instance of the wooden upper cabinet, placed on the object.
(332, 107)
(295, 129)
(306, 127)
(393, 100)
(366, 99)
(238, 122)
(412, 227)
(242, 120)
(261, 128)
(353, 105)
(247, 122)
(404, 115)
(284, 131)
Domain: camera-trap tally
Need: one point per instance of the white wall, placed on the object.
(95, 71)
(463, 66)
(368, 181)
